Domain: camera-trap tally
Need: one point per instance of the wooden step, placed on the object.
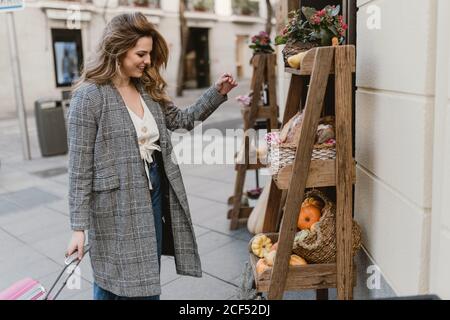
(263, 112)
(311, 276)
(244, 212)
(308, 63)
(322, 173)
(255, 166)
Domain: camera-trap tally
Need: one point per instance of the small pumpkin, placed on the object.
(307, 217)
(261, 266)
(270, 258)
(261, 245)
(297, 261)
(274, 247)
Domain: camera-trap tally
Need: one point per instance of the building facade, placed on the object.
(54, 36)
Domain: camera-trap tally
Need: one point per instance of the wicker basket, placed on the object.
(320, 246)
(282, 155)
(292, 48)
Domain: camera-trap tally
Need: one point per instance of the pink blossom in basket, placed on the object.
(272, 138)
(244, 100)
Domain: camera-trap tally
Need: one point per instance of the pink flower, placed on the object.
(321, 13)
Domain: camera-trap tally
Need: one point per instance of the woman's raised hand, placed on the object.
(225, 83)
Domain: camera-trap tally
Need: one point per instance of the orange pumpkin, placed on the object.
(307, 217)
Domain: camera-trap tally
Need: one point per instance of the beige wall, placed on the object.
(440, 231)
(394, 134)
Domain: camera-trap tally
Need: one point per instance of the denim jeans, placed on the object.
(156, 195)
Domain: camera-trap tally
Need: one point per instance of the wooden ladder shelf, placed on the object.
(263, 73)
(290, 183)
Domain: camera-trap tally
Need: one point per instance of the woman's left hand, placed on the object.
(225, 83)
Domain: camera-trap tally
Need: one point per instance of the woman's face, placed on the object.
(137, 59)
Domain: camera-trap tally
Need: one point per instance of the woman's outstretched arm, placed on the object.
(208, 102)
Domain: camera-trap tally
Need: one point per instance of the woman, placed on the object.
(123, 185)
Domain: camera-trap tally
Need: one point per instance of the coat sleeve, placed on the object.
(199, 111)
(82, 131)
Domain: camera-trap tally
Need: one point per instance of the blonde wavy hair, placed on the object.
(120, 35)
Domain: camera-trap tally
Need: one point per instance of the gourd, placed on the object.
(296, 60)
(261, 266)
(270, 258)
(297, 261)
(308, 215)
(261, 245)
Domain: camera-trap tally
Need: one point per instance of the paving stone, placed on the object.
(228, 262)
(212, 241)
(70, 291)
(189, 288)
(31, 197)
(8, 207)
(36, 220)
(199, 231)
(168, 271)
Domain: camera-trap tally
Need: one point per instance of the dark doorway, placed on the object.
(196, 72)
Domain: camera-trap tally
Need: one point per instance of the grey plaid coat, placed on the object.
(109, 194)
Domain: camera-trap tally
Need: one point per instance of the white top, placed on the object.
(147, 133)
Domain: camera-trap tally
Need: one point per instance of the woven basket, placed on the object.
(292, 48)
(320, 245)
(282, 155)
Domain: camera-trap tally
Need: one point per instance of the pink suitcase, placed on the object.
(30, 289)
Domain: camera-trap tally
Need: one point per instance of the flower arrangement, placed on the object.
(320, 26)
(261, 43)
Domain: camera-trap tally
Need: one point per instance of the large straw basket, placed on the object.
(320, 245)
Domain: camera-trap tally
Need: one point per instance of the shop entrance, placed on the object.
(197, 69)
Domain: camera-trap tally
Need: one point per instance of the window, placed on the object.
(67, 56)
(246, 7)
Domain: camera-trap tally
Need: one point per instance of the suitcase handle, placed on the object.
(68, 262)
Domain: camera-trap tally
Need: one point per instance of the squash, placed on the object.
(274, 247)
(335, 42)
(297, 261)
(261, 245)
(270, 258)
(261, 266)
(307, 217)
(296, 60)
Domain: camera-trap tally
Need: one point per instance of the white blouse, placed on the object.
(147, 133)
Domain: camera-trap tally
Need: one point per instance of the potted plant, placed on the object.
(141, 3)
(319, 28)
(200, 5)
(261, 43)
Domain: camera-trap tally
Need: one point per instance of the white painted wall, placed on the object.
(440, 230)
(394, 133)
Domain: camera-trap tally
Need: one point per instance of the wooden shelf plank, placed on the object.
(312, 276)
(322, 173)
(308, 63)
(263, 112)
(244, 212)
